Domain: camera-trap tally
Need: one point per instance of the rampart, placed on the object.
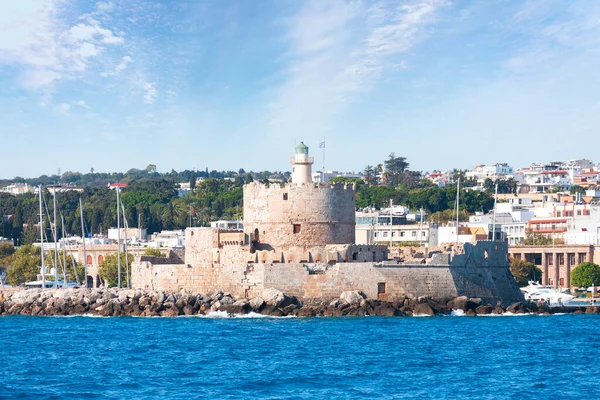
(482, 271)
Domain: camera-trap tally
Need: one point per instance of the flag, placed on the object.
(322, 145)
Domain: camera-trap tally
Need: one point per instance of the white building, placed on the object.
(320, 177)
(494, 172)
(401, 226)
(18, 188)
(236, 225)
(540, 178)
(169, 239)
(132, 234)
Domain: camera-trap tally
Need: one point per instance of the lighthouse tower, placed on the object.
(302, 165)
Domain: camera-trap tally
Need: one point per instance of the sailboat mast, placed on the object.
(125, 245)
(55, 240)
(494, 223)
(118, 239)
(83, 240)
(42, 240)
(62, 219)
(457, 207)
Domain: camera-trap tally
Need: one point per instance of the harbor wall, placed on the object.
(321, 282)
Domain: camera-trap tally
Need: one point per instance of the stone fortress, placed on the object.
(299, 238)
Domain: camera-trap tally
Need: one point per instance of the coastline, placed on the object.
(142, 303)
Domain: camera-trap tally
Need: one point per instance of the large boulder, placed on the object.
(464, 303)
(517, 308)
(484, 310)
(352, 297)
(257, 304)
(239, 307)
(273, 297)
(423, 309)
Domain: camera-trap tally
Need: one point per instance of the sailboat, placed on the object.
(49, 279)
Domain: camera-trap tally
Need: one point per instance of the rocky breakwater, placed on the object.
(125, 302)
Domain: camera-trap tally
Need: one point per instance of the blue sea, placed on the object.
(502, 357)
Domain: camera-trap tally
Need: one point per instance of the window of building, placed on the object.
(578, 212)
(558, 213)
(297, 228)
(414, 233)
(561, 259)
(587, 212)
(381, 288)
(423, 233)
(393, 234)
(553, 227)
(401, 234)
(581, 258)
(571, 258)
(562, 281)
(285, 196)
(385, 234)
(550, 259)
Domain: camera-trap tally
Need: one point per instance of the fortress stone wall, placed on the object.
(301, 215)
(482, 271)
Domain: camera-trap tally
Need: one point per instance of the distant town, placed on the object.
(554, 204)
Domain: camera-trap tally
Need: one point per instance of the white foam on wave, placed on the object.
(422, 315)
(225, 314)
(457, 313)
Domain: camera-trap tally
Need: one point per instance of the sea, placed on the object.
(254, 357)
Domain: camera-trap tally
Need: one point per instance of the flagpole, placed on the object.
(323, 165)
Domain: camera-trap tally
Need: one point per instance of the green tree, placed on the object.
(17, 230)
(524, 271)
(394, 167)
(153, 253)
(24, 265)
(586, 274)
(370, 175)
(577, 189)
(6, 250)
(192, 181)
(109, 268)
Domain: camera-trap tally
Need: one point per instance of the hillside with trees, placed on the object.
(151, 199)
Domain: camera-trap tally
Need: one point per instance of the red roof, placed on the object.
(556, 172)
(118, 184)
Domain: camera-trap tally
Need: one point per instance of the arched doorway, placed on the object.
(89, 281)
(256, 236)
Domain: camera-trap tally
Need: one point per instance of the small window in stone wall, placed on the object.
(297, 228)
(381, 288)
(285, 196)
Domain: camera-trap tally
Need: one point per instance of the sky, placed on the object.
(191, 84)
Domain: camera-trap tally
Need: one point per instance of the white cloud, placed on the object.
(126, 60)
(63, 108)
(150, 96)
(103, 6)
(338, 50)
(82, 103)
(33, 36)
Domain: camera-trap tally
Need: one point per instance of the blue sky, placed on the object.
(113, 85)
